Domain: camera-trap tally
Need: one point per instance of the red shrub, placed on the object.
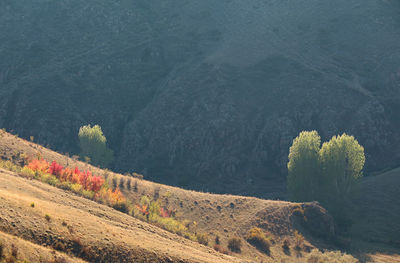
(164, 212)
(97, 183)
(55, 169)
(85, 178)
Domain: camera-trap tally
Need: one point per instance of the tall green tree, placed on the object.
(93, 145)
(342, 160)
(303, 166)
(328, 174)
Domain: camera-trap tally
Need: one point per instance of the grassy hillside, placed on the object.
(84, 227)
(25, 251)
(377, 215)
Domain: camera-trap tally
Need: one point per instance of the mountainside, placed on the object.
(203, 94)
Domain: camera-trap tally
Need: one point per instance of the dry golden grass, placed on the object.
(87, 229)
(31, 252)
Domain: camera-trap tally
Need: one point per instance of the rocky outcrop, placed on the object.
(207, 94)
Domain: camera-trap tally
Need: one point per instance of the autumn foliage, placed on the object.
(94, 187)
(85, 179)
(39, 165)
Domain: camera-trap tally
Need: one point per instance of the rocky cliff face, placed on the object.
(203, 94)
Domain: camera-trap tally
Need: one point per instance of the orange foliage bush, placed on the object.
(143, 209)
(111, 197)
(39, 165)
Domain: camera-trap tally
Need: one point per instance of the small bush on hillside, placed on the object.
(28, 173)
(87, 194)
(221, 249)
(235, 244)
(121, 183)
(202, 238)
(114, 183)
(76, 188)
(257, 238)
(156, 193)
(122, 207)
(317, 256)
(8, 165)
(217, 239)
(138, 176)
(59, 246)
(14, 251)
(298, 240)
(129, 184)
(174, 226)
(48, 217)
(286, 244)
(32, 204)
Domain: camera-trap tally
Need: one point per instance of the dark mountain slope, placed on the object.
(203, 93)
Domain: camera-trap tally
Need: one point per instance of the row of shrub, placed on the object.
(81, 182)
(96, 188)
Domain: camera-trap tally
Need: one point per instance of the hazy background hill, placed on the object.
(203, 94)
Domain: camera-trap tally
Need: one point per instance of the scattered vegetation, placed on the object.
(257, 238)
(32, 204)
(94, 187)
(10, 166)
(235, 244)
